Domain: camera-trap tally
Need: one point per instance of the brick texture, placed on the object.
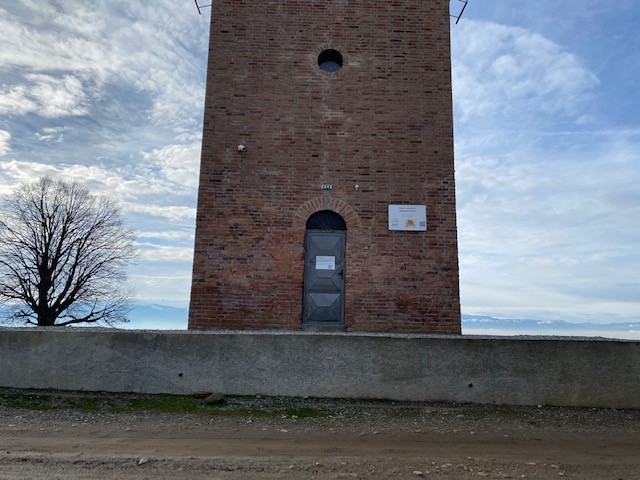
(383, 122)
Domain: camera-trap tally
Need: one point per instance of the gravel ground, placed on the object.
(293, 438)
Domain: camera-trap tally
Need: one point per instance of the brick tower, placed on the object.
(327, 194)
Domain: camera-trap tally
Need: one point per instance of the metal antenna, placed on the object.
(457, 17)
(200, 7)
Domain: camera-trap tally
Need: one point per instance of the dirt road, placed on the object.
(265, 439)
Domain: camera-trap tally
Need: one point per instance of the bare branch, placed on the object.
(64, 255)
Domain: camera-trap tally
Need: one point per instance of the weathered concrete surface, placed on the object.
(519, 371)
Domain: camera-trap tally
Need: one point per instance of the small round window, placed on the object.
(330, 60)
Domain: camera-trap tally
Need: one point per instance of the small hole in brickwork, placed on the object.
(330, 60)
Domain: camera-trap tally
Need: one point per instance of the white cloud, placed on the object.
(130, 188)
(167, 253)
(12, 173)
(143, 199)
(151, 46)
(58, 97)
(55, 138)
(45, 95)
(178, 163)
(171, 212)
(555, 229)
(158, 287)
(127, 80)
(15, 172)
(14, 101)
(500, 69)
(5, 138)
(546, 214)
(52, 134)
(171, 235)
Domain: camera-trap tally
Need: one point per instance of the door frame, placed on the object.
(340, 324)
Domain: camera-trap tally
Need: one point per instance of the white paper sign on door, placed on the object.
(325, 263)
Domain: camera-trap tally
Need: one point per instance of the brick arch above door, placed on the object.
(314, 205)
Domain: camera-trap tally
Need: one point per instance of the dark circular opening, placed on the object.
(330, 60)
(326, 220)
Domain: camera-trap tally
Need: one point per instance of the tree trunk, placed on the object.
(46, 319)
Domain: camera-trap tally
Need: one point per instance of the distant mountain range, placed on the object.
(486, 325)
(484, 321)
(165, 317)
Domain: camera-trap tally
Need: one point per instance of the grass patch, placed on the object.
(27, 402)
(44, 402)
(127, 403)
(305, 412)
(157, 403)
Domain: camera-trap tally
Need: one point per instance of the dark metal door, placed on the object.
(324, 277)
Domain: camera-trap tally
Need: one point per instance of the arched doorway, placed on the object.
(324, 269)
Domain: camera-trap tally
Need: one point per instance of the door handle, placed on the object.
(340, 273)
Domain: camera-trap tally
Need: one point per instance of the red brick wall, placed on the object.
(383, 122)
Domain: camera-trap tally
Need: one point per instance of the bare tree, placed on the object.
(64, 255)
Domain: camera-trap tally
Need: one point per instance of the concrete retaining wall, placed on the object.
(524, 371)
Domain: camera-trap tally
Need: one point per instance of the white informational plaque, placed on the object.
(325, 263)
(412, 218)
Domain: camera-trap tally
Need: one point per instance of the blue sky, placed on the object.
(547, 140)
